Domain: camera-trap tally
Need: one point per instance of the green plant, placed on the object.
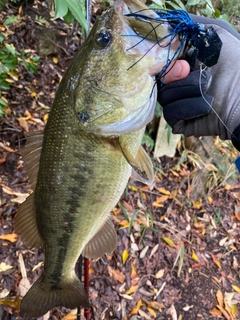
(10, 60)
(70, 9)
(199, 7)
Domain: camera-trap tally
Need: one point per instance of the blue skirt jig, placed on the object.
(203, 44)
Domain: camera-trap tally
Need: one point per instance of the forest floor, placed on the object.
(178, 240)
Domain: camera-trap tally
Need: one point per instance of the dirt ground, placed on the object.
(178, 240)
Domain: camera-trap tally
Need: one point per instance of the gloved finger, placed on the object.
(190, 87)
(215, 22)
(187, 109)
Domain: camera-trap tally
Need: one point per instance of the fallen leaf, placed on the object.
(152, 312)
(126, 296)
(163, 191)
(144, 315)
(39, 265)
(143, 252)
(4, 293)
(128, 206)
(55, 59)
(12, 237)
(169, 242)
(156, 305)
(236, 288)
(8, 149)
(219, 296)
(154, 250)
(4, 267)
(125, 255)
(162, 199)
(172, 311)
(133, 271)
(132, 289)
(187, 308)
(136, 308)
(13, 302)
(45, 118)
(71, 316)
(215, 312)
(229, 310)
(181, 259)
(216, 261)
(116, 274)
(199, 225)
(124, 223)
(194, 256)
(210, 199)
(157, 205)
(132, 188)
(224, 312)
(160, 274)
(237, 212)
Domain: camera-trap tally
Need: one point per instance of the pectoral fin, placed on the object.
(104, 241)
(141, 165)
(25, 223)
(145, 165)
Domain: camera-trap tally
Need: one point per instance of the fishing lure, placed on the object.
(203, 43)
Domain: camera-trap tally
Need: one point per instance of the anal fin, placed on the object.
(25, 223)
(103, 242)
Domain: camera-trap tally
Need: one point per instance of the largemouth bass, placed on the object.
(80, 165)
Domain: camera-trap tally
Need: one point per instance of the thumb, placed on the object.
(177, 70)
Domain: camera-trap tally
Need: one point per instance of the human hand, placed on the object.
(183, 105)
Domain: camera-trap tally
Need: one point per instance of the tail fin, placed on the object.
(41, 298)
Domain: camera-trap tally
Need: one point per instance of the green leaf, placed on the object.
(177, 6)
(61, 8)
(30, 66)
(69, 18)
(217, 13)
(10, 48)
(77, 8)
(158, 110)
(148, 141)
(193, 2)
(132, 221)
(2, 110)
(12, 19)
(3, 102)
(2, 37)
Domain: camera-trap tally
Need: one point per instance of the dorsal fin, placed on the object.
(103, 242)
(25, 222)
(31, 155)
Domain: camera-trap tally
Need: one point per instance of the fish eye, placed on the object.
(104, 38)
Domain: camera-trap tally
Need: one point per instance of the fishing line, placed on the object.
(202, 94)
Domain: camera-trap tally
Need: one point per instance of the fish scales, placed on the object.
(91, 143)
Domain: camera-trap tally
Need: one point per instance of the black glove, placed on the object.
(188, 112)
